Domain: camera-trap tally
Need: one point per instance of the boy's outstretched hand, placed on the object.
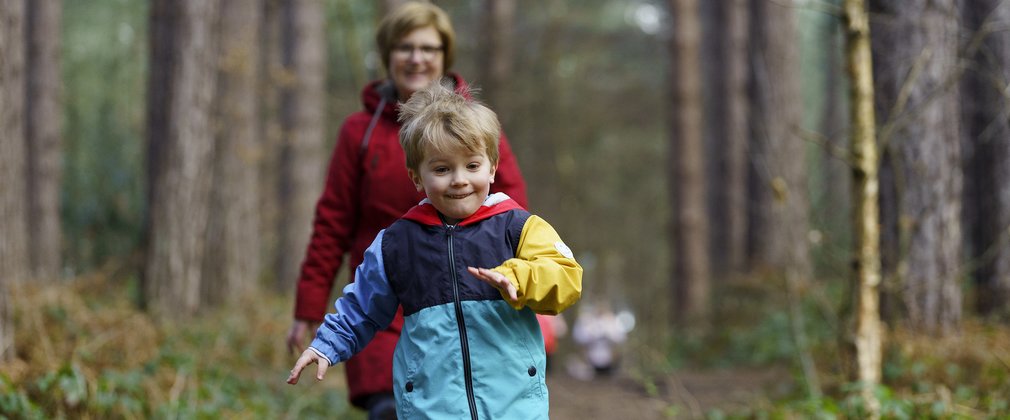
(308, 357)
(496, 279)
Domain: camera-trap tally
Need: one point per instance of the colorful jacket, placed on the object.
(464, 351)
(367, 189)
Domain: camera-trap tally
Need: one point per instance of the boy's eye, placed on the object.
(473, 166)
(441, 170)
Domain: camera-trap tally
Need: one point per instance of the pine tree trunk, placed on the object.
(43, 108)
(863, 148)
(726, 133)
(386, 6)
(778, 151)
(180, 140)
(231, 266)
(687, 179)
(494, 67)
(987, 153)
(303, 108)
(915, 46)
(271, 79)
(14, 262)
(781, 223)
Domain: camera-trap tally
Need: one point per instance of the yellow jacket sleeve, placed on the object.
(545, 274)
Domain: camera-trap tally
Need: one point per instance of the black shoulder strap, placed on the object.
(386, 90)
(371, 126)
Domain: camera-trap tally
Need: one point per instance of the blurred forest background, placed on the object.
(160, 161)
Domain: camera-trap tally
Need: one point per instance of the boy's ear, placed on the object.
(494, 168)
(416, 179)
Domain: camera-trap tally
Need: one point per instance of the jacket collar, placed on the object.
(497, 203)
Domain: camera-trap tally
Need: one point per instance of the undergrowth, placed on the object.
(85, 351)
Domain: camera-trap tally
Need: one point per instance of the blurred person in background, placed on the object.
(367, 188)
(600, 334)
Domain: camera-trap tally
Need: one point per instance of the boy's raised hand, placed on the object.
(308, 357)
(496, 279)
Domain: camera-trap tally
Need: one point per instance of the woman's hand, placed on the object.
(308, 357)
(496, 279)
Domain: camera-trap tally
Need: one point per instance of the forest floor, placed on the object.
(683, 395)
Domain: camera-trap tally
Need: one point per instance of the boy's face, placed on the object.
(456, 181)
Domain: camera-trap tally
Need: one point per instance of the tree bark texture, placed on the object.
(180, 138)
(386, 6)
(726, 133)
(780, 218)
(986, 110)
(271, 80)
(232, 264)
(691, 276)
(915, 46)
(44, 112)
(494, 66)
(14, 261)
(780, 215)
(303, 108)
(863, 150)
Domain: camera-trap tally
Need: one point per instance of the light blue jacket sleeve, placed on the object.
(367, 306)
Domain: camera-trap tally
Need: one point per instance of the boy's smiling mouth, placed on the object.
(458, 196)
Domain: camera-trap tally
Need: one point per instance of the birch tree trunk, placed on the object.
(180, 137)
(232, 263)
(915, 46)
(14, 262)
(863, 149)
(303, 108)
(687, 179)
(44, 112)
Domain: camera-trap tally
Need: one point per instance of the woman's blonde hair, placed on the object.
(415, 15)
(444, 120)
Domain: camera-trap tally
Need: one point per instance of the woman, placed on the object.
(367, 188)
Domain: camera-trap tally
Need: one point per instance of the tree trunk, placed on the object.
(303, 107)
(386, 6)
(863, 149)
(44, 112)
(494, 66)
(231, 266)
(986, 111)
(915, 47)
(778, 151)
(726, 134)
(14, 262)
(780, 218)
(180, 137)
(687, 178)
(271, 79)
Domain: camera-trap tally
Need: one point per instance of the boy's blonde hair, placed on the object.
(415, 15)
(444, 120)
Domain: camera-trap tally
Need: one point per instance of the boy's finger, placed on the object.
(321, 370)
(297, 370)
(512, 293)
(293, 377)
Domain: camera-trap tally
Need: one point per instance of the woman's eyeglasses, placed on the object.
(428, 52)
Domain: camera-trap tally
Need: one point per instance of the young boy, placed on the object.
(469, 270)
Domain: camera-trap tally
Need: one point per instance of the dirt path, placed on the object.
(685, 395)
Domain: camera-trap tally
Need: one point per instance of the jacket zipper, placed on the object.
(461, 325)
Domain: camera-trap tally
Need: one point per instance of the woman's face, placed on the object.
(416, 61)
